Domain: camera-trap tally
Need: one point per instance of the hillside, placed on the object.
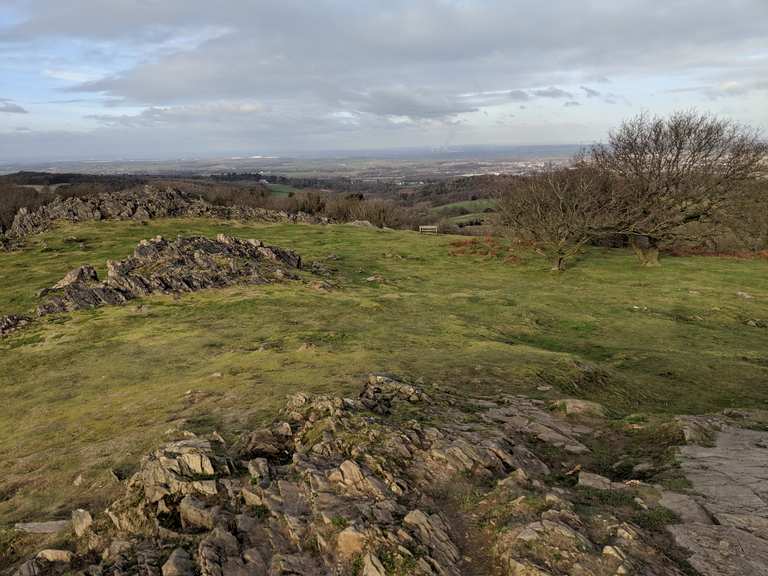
(688, 337)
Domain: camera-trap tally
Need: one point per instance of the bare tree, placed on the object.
(670, 172)
(746, 215)
(556, 211)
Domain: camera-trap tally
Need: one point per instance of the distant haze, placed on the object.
(140, 79)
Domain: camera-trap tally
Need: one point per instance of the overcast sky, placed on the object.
(164, 79)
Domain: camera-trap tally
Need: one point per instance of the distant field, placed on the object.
(92, 391)
(482, 216)
(471, 206)
(282, 189)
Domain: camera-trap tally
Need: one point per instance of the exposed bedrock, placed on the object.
(356, 486)
(171, 266)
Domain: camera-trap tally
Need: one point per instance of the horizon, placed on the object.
(115, 81)
(519, 152)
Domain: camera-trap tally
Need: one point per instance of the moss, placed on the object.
(608, 498)
(396, 563)
(259, 512)
(357, 566)
(655, 519)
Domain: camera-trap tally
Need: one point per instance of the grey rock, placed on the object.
(81, 522)
(49, 527)
(578, 407)
(259, 471)
(54, 555)
(722, 550)
(33, 567)
(730, 478)
(686, 507)
(195, 514)
(179, 563)
(12, 323)
(590, 480)
(162, 266)
(350, 487)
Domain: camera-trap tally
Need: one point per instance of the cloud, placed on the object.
(519, 96)
(725, 89)
(571, 104)
(552, 92)
(10, 107)
(366, 71)
(413, 104)
(190, 114)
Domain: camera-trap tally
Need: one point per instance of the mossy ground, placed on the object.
(92, 391)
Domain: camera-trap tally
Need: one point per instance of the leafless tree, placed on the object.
(556, 211)
(746, 215)
(670, 172)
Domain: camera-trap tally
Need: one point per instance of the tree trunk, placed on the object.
(558, 264)
(646, 248)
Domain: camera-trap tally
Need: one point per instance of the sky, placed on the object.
(163, 79)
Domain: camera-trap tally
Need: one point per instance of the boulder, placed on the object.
(259, 471)
(350, 542)
(597, 482)
(179, 563)
(372, 566)
(195, 514)
(53, 555)
(81, 275)
(81, 522)
(578, 407)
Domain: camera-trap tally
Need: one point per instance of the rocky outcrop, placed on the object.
(725, 519)
(145, 203)
(171, 266)
(357, 486)
(12, 323)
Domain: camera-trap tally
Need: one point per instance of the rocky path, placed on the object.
(726, 518)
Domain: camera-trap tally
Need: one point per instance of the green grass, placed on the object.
(94, 390)
(475, 216)
(473, 206)
(283, 189)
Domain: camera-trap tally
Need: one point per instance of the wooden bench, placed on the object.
(427, 229)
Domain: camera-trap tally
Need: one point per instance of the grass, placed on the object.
(473, 206)
(474, 217)
(283, 189)
(92, 391)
